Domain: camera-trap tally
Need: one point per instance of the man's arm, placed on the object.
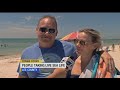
(21, 73)
(58, 73)
(22, 76)
(110, 65)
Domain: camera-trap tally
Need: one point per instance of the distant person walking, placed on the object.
(113, 47)
(1, 45)
(119, 46)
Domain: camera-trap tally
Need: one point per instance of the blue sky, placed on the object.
(22, 25)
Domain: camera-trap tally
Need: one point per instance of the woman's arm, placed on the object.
(76, 70)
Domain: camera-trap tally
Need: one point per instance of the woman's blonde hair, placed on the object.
(95, 35)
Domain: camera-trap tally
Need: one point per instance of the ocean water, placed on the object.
(107, 42)
(9, 46)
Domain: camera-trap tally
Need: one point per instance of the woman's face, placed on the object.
(84, 43)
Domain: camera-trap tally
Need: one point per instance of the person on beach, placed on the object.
(47, 48)
(119, 46)
(1, 45)
(86, 65)
(113, 47)
(51, 50)
(107, 48)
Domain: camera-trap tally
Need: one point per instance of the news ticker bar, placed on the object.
(42, 65)
(35, 65)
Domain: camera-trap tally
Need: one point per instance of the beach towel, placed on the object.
(91, 68)
(95, 70)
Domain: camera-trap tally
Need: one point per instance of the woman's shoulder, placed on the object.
(78, 60)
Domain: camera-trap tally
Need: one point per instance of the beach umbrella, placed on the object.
(70, 36)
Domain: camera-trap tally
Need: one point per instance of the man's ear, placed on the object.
(56, 33)
(36, 31)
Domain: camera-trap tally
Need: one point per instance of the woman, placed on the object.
(86, 65)
(88, 42)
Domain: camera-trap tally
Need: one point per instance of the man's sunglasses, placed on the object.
(81, 42)
(44, 29)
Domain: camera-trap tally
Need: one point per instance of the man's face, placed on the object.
(46, 31)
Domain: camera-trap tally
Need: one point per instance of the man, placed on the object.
(48, 49)
(51, 50)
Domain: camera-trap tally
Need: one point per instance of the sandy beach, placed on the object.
(9, 64)
(116, 55)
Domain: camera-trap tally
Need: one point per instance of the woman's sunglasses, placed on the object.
(81, 42)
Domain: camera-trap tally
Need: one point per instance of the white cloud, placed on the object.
(28, 18)
(20, 29)
(15, 32)
(58, 17)
(12, 30)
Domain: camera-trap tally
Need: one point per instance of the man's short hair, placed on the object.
(50, 17)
